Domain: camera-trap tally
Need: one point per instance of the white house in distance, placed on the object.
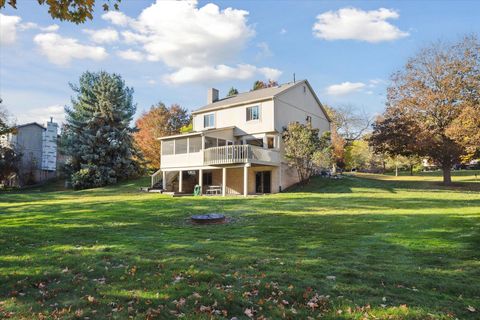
(38, 146)
(236, 146)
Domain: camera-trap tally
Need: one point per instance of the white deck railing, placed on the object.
(239, 154)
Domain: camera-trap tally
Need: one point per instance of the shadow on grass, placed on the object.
(375, 183)
(143, 250)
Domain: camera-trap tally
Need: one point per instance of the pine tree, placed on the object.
(97, 136)
(232, 92)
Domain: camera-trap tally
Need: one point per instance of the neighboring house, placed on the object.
(236, 146)
(38, 146)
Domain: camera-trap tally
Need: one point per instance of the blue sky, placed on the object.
(172, 52)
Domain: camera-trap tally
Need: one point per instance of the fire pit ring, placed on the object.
(210, 218)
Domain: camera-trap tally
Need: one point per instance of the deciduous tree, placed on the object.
(259, 84)
(5, 127)
(77, 11)
(302, 143)
(158, 122)
(426, 103)
(351, 123)
(9, 157)
(9, 162)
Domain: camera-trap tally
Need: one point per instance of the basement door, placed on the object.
(263, 181)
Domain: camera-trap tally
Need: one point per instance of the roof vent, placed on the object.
(212, 95)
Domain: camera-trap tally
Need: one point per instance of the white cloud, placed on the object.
(344, 88)
(270, 73)
(130, 55)
(117, 18)
(8, 28)
(180, 34)
(283, 31)
(28, 25)
(61, 50)
(107, 35)
(33, 25)
(356, 24)
(42, 115)
(51, 28)
(264, 51)
(196, 43)
(375, 82)
(133, 38)
(219, 73)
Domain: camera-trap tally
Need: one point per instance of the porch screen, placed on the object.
(221, 142)
(210, 142)
(167, 147)
(195, 144)
(181, 146)
(255, 142)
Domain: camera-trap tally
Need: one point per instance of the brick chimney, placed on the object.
(212, 95)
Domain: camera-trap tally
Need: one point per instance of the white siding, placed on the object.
(295, 105)
(237, 116)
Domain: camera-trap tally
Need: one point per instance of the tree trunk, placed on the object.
(396, 170)
(447, 176)
(411, 169)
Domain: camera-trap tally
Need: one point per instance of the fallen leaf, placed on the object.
(249, 313)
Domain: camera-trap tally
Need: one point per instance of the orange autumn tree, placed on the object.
(158, 122)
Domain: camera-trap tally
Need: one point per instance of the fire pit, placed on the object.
(211, 218)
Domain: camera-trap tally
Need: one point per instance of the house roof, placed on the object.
(31, 124)
(257, 96)
(248, 97)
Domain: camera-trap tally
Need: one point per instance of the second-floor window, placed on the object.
(253, 113)
(209, 120)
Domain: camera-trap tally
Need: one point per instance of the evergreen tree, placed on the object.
(97, 136)
(232, 92)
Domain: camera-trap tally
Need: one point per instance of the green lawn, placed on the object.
(365, 247)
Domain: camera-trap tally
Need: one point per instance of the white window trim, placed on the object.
(214, 120)
(259, 114)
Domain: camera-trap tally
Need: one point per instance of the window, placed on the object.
(255, 142)
(167, 147)
(221, 142)
(210, 142)
(209, 120)
(207, 179)
(195, 144)
(181, 146)
(270, 142)
(253, 113)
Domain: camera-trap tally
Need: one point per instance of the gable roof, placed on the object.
(30, 124)
(257, 96)
(248, 97)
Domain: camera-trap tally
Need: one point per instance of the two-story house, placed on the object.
(38, 146)
(236, 146)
